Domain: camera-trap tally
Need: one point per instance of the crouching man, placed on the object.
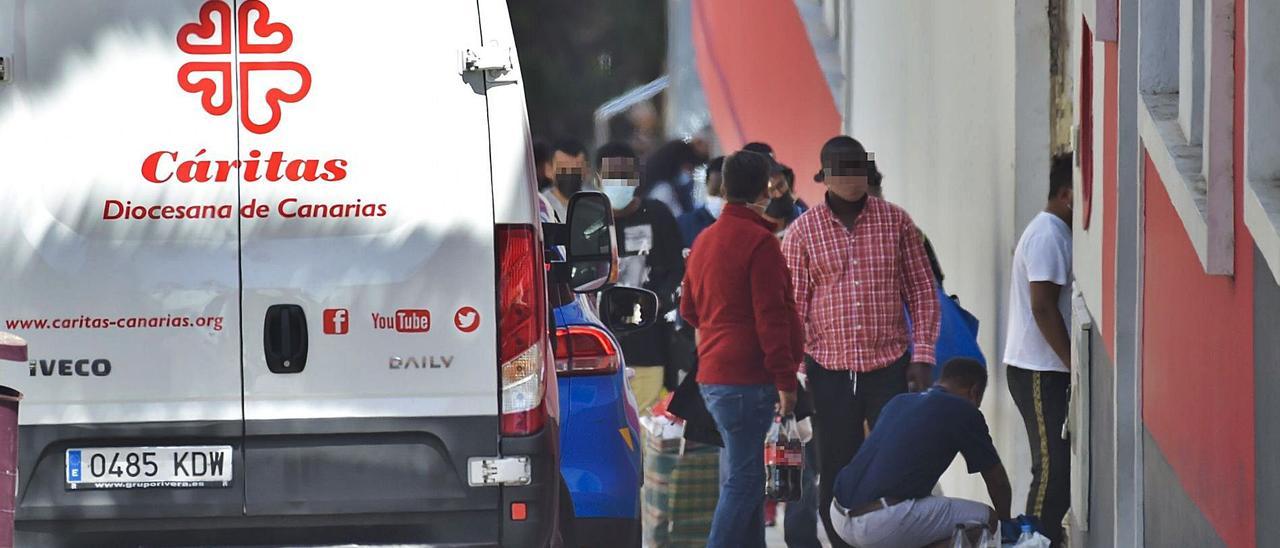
(882, 498)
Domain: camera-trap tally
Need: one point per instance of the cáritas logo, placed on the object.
(256, 36)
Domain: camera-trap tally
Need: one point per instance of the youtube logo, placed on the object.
(336, 321)
(405, 320)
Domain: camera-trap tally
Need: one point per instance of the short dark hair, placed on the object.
(1059, 174)
(874, 177)
(716, 165)
(746, 176)
(570, 146)
(841, 148)
(759, 148)
(615, 149)
(964, 373)
(541, 152)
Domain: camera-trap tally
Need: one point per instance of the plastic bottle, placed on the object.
(1028, 534)
(781, 483)
(987, 540)
(795, 457)
(959, 539)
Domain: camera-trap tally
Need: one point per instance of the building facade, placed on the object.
(1172, 108)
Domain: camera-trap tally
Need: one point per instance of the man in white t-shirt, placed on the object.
(1038, 348)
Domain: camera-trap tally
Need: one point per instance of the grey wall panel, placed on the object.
(1170, 517)
(1266, 364)
(1101, 446)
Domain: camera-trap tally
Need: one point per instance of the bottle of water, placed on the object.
(988, 540)
(959, 539)
(1028, 534)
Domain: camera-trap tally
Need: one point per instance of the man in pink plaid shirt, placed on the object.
(855, 261)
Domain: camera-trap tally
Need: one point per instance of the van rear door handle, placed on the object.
(284, 338)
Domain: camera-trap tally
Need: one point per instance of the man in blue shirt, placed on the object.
(882, 498)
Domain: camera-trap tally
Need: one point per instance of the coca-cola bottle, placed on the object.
(783, 460)
(795, 457)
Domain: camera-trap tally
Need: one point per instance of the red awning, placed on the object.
(763, 82)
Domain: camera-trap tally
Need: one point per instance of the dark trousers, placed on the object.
(843, 401)
(1041, 397)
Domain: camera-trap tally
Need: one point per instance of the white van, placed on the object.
(280, 268)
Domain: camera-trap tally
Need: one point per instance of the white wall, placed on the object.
(958, 119)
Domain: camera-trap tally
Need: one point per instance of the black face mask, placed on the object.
(568, 183)
(781, 208)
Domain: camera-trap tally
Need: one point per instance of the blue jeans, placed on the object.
(802, 516)
(743, 415)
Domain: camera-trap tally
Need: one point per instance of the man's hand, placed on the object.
(786, 402)
(919, 377)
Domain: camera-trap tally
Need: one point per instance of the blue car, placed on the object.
(601, 457)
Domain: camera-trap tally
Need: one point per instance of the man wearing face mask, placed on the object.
(650, 256)
(694, 222)
(784, 208)
(737, 295)
(569, 163)
(855, 261)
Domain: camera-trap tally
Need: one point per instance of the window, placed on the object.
(1186, 76)
(1086, 123)
(1262, 128)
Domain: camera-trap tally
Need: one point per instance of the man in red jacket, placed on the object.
(737, 294)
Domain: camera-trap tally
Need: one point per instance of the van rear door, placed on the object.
(368, 261)
(120, 259)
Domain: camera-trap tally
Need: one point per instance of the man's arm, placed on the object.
(974, 441)
(1044, 307)
(774, 315)
(918, 290)
(797, 258)
(998, 489)
(688, 304)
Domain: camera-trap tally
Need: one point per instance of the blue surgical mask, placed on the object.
(715, 205)
(684, 179)
(620, 196)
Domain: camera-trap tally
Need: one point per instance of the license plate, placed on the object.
(149, 467)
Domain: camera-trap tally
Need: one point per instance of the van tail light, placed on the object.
(585, 350)
(522, 329)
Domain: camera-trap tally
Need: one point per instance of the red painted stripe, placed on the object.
(763, 82)
(1197, 366)
(702, 32)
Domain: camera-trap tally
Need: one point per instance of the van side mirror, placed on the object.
(624, 309)
(591, 256)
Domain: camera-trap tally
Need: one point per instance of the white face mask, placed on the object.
(715, 205)
(620, 192)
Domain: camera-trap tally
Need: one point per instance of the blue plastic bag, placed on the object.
(957, 336)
